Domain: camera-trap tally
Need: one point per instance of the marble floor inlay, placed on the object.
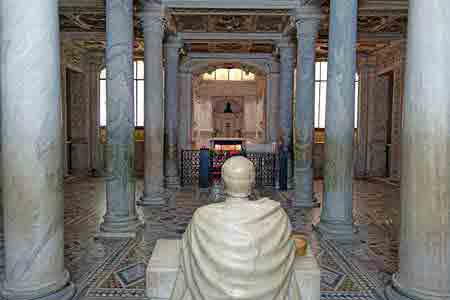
(115, 269)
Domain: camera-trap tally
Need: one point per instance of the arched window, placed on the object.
(138, 95)
(229, 74)
(321, 95)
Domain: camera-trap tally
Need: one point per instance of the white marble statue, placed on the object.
(237, 249)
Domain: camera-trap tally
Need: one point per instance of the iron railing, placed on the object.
(266, 167)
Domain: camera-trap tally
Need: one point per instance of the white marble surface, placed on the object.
(162, 269)
(32, 155)
(236, 249)
(424, 268)
(164, 265)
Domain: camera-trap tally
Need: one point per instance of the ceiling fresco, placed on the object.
(375, 21)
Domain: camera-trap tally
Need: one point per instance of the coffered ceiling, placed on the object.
(235, 30)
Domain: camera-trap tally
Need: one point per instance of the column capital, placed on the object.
(174, 41)
(272, 66)
(307, 27)
(285, 42)
(153, 18)
(185, 66)
(311, 10)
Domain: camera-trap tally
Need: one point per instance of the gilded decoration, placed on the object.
(138, 135)
(231, 23)
(82, 20)
(374, 21)
(100, 45)
(319, 134)
(233, 47)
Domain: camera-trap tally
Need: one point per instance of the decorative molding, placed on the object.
(230, 26)
(390, 58)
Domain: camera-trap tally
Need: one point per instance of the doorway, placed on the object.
(390, 100)
(74, 123)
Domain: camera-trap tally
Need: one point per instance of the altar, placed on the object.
(220, 150)
(227, 144)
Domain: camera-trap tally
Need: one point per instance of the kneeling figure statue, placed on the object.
(238, 249)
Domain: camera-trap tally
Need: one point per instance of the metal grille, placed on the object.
(190, 164)
(265, 167)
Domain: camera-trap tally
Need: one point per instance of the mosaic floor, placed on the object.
(115, 269)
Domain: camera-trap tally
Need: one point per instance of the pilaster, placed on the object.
(367, 81)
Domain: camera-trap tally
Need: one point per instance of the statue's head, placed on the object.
(238, 175)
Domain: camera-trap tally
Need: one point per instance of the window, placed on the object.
(138, 94)
(229, 74)
(321, 95)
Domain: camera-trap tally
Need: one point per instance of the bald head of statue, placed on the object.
(238, 174)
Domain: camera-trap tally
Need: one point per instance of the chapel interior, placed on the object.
(117, 116)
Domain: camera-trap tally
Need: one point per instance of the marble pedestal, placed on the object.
(164, 264)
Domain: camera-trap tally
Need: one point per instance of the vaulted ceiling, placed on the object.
(236, 30)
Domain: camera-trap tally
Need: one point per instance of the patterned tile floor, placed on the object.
(115, 269)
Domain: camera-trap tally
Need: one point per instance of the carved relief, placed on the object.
(191, 23)
(72, 54)
(390, 57)
(84, 20)
(271, 23)
(100, 46)
(229, 23)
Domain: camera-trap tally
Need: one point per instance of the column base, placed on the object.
(339, 231)
(97, 173)
(2, 255)
(304, 188)
(291, 183)
(395, 292)
(114, 227)
(65, 293)
(155, 199)
(306, 203)
(172, 182)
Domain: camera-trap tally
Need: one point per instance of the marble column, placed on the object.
(31, 155)
(272, 102)
(307, 29)
(185, 109)
(424, 268)
(287, 57)
(121, 219)
(336, 221)
(154, 192)
(2, 236)
(172, 50)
